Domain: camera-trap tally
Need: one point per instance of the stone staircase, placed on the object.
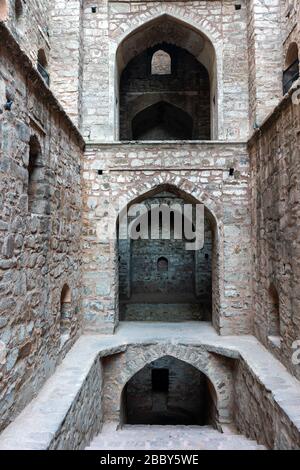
(143, 437)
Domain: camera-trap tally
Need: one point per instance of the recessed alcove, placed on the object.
(168, 391)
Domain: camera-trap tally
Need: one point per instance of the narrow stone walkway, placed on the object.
(169, 438)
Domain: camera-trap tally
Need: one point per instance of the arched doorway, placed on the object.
(167, 60)
(168, 391)
(159, 278)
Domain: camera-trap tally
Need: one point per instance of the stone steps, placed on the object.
(154, 437)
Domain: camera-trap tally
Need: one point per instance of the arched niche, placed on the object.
(42, 66)
(167, 29)
(291, 70)
(274, 312)
(37, 187)
(161, 63)
(65, 310)
(124, 366)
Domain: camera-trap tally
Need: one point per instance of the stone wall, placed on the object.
(66, 55)
(84, 418)
(276, 216)
(29, 24)
(258, 416)
(290, 18)
(198, 171)
(40, 249)
(265, 58)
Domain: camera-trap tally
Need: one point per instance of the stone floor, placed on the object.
(169, 438)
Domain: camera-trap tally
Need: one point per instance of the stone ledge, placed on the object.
(164, 143)
(38, 426)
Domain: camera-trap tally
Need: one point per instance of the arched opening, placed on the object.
(162, 121)
(161, 63)
(38, 191)
(42, 66)
(3, 10)
(291, 72)
(160, 278)
(65, 310)
(274, 313)
(169, 391)
(167, 60)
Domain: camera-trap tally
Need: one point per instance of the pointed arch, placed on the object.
(193, 195)
(216, 368)
(199, 38)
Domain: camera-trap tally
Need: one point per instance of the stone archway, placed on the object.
(120, 368)
(169, 391)
(205, 47)
(215, 255)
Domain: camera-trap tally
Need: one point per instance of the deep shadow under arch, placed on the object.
(162, 121)
(169, 391)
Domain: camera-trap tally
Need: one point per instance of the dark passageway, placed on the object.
(168, 392)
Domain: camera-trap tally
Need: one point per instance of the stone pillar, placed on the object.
(264, 39)
(66, 55)
(96, 125)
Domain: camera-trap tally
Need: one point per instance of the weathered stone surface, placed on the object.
(32, 272)
(59, 206)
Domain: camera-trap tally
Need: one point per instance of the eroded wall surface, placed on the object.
(275, 196)
(40, 252)
(258, 416)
